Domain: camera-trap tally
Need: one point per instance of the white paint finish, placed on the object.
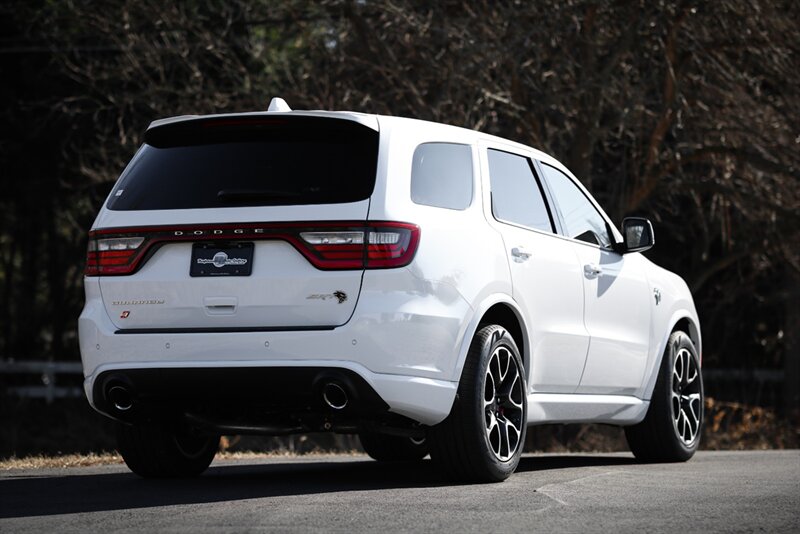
(457, 249)
(617, 316)
(411, 328)
(405, 326)
(284, 289)
(561, 408)
(547, 286)
(409, 325)
(370, 121)
(676, 304)
(549, 290)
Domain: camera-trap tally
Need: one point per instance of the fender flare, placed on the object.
(678, 315)
(472, 327)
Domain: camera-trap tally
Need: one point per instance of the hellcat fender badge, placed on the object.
(657, 295)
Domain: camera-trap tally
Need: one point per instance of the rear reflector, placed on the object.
(327, 245)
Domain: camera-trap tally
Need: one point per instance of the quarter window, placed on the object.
(441, 175)
(581, 219)
(516, 194)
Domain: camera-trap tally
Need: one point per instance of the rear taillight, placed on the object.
(380, 245)
(327, 245)
(114, 255)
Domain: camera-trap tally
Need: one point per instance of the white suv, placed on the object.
(431, 288)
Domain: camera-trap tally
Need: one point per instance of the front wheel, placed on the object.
(161, 451)
(670, 432)
(482, 438)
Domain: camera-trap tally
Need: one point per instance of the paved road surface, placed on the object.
(715, 492)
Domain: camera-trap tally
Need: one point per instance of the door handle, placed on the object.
(592, 270)
(520, 253)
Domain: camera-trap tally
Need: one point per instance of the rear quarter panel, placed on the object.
(457, 249)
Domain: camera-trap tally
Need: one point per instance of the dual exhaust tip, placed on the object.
(120, 397)
(334, 393)
(335, 390)
(335, 396)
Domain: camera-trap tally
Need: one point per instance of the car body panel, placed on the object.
(407, 331)
(559, 339)
(617, 317)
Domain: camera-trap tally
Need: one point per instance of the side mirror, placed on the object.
(638, 234)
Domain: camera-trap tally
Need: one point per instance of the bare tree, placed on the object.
(686, 112)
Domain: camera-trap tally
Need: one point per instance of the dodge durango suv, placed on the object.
(431, 288)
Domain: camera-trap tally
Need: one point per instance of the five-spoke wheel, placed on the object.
(503, 399)
(482, 438)
(671, 429)
(686, 396)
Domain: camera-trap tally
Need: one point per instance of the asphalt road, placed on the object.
(714, 492)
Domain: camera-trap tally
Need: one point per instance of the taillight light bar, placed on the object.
(327, 245)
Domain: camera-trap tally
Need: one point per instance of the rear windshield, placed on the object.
(241, 161)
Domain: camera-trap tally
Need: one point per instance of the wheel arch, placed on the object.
(503, 311)
(682, 320)
(687, 325)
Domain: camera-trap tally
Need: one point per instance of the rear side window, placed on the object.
(517, 196)
(441, 175)
(250, 161)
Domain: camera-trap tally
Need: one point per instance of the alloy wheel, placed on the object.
(503, 404)
(686, 397)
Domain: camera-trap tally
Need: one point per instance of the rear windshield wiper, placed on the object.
(243, 195)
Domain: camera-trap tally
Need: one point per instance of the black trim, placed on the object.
(249, 400)
(589, 198)
(223, 330)
(542, 193)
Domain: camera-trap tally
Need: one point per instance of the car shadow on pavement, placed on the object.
(542, 462)
(30, 494)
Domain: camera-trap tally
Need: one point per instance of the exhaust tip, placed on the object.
(335, 396)
(120, 398)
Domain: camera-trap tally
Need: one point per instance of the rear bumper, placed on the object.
(274, 386)
(248, 400)
(406, 357)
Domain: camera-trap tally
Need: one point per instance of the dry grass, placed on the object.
(60, 462)
(92, 459)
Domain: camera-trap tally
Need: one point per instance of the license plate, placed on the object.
(228, 260)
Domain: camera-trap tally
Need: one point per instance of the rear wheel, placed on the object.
(161, 451)
(671, 430)
(482, 437)
(385, 448)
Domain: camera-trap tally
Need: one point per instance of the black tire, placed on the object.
(465, 445)
(671, 430)
(385, 448)
(160, 451)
